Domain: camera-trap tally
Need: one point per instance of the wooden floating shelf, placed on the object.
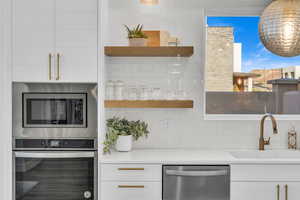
(127, 51)
(149, 104)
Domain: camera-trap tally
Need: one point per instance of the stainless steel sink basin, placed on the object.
(272, 154)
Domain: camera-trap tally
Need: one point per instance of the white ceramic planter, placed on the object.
(137, 42)
(124, 143)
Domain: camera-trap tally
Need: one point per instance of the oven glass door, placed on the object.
(54, 176)
(42, 110)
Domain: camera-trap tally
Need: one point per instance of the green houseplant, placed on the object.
(136, 36)
(121, 132)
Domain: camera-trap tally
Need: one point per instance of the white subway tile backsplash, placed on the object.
(177, 128)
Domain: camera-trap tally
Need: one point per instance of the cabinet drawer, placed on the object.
(130, 172)
(265, 172)
(131, 190)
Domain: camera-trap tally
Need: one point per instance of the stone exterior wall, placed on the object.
(260, 84)
(219, 61)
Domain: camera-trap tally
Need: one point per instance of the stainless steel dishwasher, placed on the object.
(196, 182)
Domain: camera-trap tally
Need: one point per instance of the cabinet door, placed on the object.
(291, 190)
(76, 40)
(256, 191)
(33, 39)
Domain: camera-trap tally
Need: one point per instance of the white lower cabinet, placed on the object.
(265, 190)
(131, 190)
(131, 182)
(281, 185)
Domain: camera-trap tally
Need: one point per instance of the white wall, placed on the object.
(178, 128)
(5, 105)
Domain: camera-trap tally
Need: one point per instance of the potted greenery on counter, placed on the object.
(121, 132)
(136, 36)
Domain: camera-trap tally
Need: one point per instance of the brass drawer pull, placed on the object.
(278, 192)
(286, 192)
(50, 66)
(58, 67)
(131, 169)
(131, 186)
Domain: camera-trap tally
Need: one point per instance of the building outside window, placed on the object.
(242, 76)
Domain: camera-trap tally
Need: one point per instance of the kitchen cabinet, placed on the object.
(33, 39)
(131, 190)
(254, 190)
(265, 190)
(131, 181)
(54, 40)
(274, 182)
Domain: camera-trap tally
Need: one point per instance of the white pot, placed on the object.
(137, 42)
(124, 143)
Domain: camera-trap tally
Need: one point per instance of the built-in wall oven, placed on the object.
(54, 141)
(49, 169)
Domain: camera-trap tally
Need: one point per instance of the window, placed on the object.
(242, 76)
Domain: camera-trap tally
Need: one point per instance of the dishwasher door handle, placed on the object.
(196, 173)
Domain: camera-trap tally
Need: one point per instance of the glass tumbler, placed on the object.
(119, 90)
(156, 94)
(109, 90)
(144, 93)
(132, 93)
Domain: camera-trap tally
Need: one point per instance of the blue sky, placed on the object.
(254, 54)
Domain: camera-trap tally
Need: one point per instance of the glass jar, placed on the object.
(109, 90)
(119, 90)
(175, 78)
(156, 94)
(132, 92)
(144, 93)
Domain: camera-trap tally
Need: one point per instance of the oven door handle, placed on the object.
(196, 173)
(54, 154)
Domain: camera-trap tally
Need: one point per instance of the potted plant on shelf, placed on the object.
(121, 132)
(136, 36)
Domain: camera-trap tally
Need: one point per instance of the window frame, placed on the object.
(234, 12)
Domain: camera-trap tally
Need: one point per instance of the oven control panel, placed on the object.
(55, 144)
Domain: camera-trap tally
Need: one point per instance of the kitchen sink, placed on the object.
(272, 154)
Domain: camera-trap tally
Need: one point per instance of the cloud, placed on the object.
(264, 63)
(264, 59)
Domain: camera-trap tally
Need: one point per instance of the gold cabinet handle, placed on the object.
(131, 186)
(50, 66)
(131, 169)
(286, 192)
(278, 192)
(58, 67)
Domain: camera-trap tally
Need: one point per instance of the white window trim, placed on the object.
(256, 11)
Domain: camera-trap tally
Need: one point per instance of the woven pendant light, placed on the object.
(279, 27)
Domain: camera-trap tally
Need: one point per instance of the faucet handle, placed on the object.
(267, 141)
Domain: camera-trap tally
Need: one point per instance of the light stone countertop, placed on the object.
(193, 156)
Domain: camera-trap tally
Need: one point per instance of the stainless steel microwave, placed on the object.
(54, 110)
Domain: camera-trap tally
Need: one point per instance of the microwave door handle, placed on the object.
(196, 173)
(54, 154)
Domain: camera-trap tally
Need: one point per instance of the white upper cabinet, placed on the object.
(55, 40)
(76, 39)
(33, 39)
